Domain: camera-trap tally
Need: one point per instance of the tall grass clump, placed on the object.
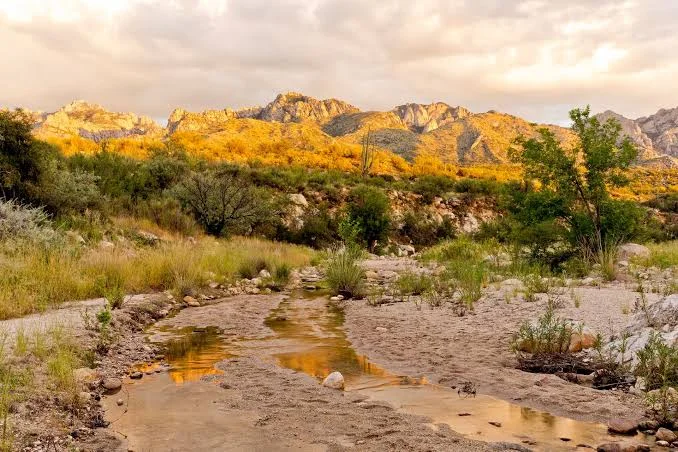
(663, 255)
(344, 274)
(34, 276)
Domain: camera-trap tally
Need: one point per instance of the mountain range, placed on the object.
(452, 134)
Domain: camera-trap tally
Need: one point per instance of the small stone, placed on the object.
(662, 443)
(336, 298)
(464, 414)
(381, 329)
(189, 300)
(112, 384)
(213, 285)
(335, 380)
(495, 423)
(136, 376)
(84, 397)
(120, 402)
(664, 434)
(264, 274)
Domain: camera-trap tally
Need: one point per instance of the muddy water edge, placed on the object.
(302, 334)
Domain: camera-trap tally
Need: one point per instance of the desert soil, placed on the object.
(451, 350)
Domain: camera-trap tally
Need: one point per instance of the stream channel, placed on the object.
(308, 336)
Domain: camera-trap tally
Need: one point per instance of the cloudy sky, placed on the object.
(533, 58)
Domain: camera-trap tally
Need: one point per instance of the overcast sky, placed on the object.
(533, 58)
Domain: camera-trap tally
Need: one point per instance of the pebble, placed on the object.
(120, 402)
(136, 376)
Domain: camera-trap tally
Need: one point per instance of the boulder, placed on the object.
(581, 341)
(111, 384)
(631, 250)
(298, 199)
(664, 434)
(623, 426)
(335, 380)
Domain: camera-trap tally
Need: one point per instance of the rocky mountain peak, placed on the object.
(423, 118)
(662, 128)
(297, 107)
(631, 129)
(92, 121)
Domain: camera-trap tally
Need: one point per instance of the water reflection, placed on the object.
(194, 352)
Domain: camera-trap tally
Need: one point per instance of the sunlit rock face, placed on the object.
(296, 107)
(426, 118)
(91, 121)
(662, 128)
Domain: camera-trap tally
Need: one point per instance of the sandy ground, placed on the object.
(451, 350)
(256, 405)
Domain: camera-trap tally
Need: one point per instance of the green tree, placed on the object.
(575, 180)
(368, 210)
(23, 159)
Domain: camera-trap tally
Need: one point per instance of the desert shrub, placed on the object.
(410, 283)
(430, 187)
(319, 230)
(476, 187)
(251, 268)
(344, 274)
(223, 204)
(167, 213)
(368, 208)
(658, 363)
(19, 222)
(423, 232)
(549, 335)
(470, 277)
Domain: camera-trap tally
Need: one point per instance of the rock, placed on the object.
(112, 384)
(381, 329)
(148, 237)
(298, 199)
(664, 434)
(119, 402)
(136, 375)
(84, 397)
(85, 375)
(407, 250)
(264, 274)
(623, 426)
(105, 245)
(631, 250)
(579, 342)
(649, 424)
(371, 274)
(640, 385)
(189, 300)
(335, 380)
(163, 313)
(622, 447)
(213, 285)
(495, 423)
(662, 443)
(336, 298)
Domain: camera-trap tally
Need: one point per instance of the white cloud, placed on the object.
(528, 57)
